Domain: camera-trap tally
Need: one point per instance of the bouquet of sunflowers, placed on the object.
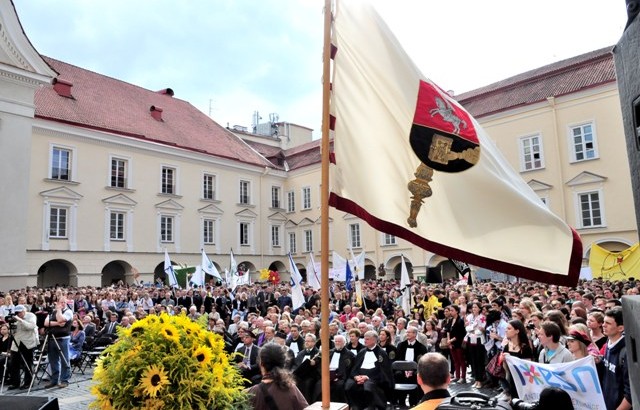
(167, 362)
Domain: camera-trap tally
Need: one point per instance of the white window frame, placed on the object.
(71, 168)
(308, 240)
(579, 211)
(67, 213)
(275, 236)
(121, 231)
(388, 239)
(594, 142)
(528, 160)
(209, 187)
(244, 198)
(293, 245)
(355, 235)
(170, 236)
(126, 173)
(208, 232)
(174, 185)
(306, 198)
(244, 233)
(276, 197)
(291, 201)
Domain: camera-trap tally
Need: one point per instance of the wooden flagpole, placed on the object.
(324, 213)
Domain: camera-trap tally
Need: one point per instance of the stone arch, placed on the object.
(57, 272)
(115, 271)
(370, 269)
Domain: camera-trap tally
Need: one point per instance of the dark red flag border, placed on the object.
(575, 262)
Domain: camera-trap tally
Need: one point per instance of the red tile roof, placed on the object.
(564, 77)
(103, 103)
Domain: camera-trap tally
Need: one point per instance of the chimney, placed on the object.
(156, 112)
(166, 91)
(62, 87)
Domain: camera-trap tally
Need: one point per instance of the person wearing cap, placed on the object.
(247, 360)
(25, 339)
(579, 343)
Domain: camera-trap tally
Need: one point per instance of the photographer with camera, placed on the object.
(25, 339)
(58, 324)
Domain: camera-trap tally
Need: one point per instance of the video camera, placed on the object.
(11, 320)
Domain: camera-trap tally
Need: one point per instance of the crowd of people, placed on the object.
(472, 326)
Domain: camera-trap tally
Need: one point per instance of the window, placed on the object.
(590, 209)
(275, 197)
(354, 235)
(244, 234)
(166, 228)
(245, 186)
(61, 164)
(292, 242)
(306, 198)
(118, 173)
(389, 239)
(208, 231)
(291, 201)
(209, 186)
(583, 142)
(168, 180)
(116, 226)
(58, 222)
(275, 236)
(308, 241)
(531, 153)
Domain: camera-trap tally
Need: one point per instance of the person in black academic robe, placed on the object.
(306, 368)
(339, 371)
(409, 349)
(370, 376)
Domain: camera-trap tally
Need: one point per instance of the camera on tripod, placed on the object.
(11, 320)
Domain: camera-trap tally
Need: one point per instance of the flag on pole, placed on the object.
(447, 187)
(348, 277)
(405, 285)
(208, 267)
(358, 270)
(168, 269)
(297, 297)
(198, 277)
(233, 271)
(313, 273)
(339, 269)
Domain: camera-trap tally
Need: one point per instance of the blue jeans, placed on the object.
(56, 360)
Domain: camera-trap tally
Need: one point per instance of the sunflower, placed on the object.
(170, 332)
(203, 355)
(153, 379)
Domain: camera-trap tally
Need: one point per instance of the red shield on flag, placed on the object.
(442, 134)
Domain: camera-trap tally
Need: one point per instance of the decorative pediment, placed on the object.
(170, 205)
(277, 216)
(211, 209)
(247, 213)
(319, 220)
(538, 185)
(290, 224)
(63, 193)
(586, 177)
(120, 200)
(348, 216)
(305, 222)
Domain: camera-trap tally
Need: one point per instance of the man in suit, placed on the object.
(283, 300)
(370, 376)
(109, 332)
(340, 362)
(247, 360)
(295, 342)
(307, 367)
(409, 350)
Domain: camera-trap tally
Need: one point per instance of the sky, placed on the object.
(231, 58)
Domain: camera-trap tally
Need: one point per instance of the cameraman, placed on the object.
(25, 339)
(58, 324)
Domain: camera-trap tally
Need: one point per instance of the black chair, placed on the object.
(403, 385)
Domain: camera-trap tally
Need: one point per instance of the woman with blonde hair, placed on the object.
(579, 343)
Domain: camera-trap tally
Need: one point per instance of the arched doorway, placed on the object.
(57, 272)
(116, 271)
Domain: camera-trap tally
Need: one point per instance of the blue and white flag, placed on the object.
(209, 268)
(348, 278)
(297, 297)
(233, 272)
(313, 273)
(168, 269)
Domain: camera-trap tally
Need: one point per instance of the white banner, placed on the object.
(578, 378)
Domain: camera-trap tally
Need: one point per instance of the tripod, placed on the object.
(47, 339)
(6, 363)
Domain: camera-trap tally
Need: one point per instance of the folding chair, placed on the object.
(401, 387)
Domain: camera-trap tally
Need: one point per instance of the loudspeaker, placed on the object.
(630, 315)
(28, 403)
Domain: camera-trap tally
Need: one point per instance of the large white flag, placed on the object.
(233, 271)
(198, 277)
(208, 267)
(168, 269)
(440, 182)
(340, 265)
(313, 273)
(405, 286)
(297, 297)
